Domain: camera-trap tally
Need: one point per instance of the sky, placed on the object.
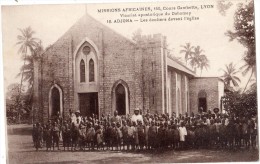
(51, 21)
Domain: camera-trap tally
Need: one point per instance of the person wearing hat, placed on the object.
(137, 116)
(76, 119)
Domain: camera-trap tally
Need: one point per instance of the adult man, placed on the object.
(116, 118)
(77, 119)
(137, 116)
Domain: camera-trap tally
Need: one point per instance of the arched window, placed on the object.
(91, 71)
(82, 71)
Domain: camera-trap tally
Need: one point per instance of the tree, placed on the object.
(187, 50)
(26, 42)
(248, 68)
(27, 70)
(223, 6)
(198, 60)
(204, 63)
(244, 33)
(243, 104)
(14, 101)
(230, 75)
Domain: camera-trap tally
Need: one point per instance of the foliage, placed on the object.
(187, 50)
(26, 41)
(243, 104)
(30, 50)
(198, 59)
(223, 6)
(18, 105)
(230, 75)
(28, 68)
(244, 33)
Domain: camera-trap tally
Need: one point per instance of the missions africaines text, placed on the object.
(143, 9)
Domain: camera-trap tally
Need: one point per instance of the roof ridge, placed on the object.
(90, 16)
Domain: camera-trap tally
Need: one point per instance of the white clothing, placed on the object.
(183, 133)
(137, 117)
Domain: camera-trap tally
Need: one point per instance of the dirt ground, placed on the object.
(21, 150)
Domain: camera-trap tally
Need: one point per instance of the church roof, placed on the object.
(86, 26)
(179, 66)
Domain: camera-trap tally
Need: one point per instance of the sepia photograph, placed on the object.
(147, 82)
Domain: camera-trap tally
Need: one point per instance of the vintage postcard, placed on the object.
(161, 82)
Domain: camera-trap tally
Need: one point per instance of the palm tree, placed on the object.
(204, 63)
(26, 42)
(248, 68)
(26, 71)
(230, 75)
(197, 58)
(187, 49)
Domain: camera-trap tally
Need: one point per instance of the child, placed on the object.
(119, 135)
(152, 135)
(183, 134)
(82, 136)
(48, 137)
(141, 134)
(99, 135)
(37, 135)
(124, 130)
(56, 135)
(74, 136)
(146, 128)
(90, 136)
(130, 134)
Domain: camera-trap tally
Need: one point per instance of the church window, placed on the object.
(82, 71)
(86, 50)
(91, 70)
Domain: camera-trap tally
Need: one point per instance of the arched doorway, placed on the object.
(202, 101)
(55, 101)
(120, 99)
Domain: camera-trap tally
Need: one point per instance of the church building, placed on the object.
(95, 70)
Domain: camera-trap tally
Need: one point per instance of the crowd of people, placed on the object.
(149, 131)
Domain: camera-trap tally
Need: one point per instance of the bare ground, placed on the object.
(21, 150)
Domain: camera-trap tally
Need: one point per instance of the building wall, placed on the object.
(142, 67)
(212, 87)
(152, 84)
(119, 59)
(221, 92)
(177, 89)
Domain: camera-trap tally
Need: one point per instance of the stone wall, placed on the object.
(138, 65)
(211, 85)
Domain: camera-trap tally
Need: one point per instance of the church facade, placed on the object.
(94, 69)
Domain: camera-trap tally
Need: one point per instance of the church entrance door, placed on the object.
(88, 104)
(120, 100)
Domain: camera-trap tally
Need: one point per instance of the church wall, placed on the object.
(211, 87)
(153, 87)
(141, 66)
(116, 53)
